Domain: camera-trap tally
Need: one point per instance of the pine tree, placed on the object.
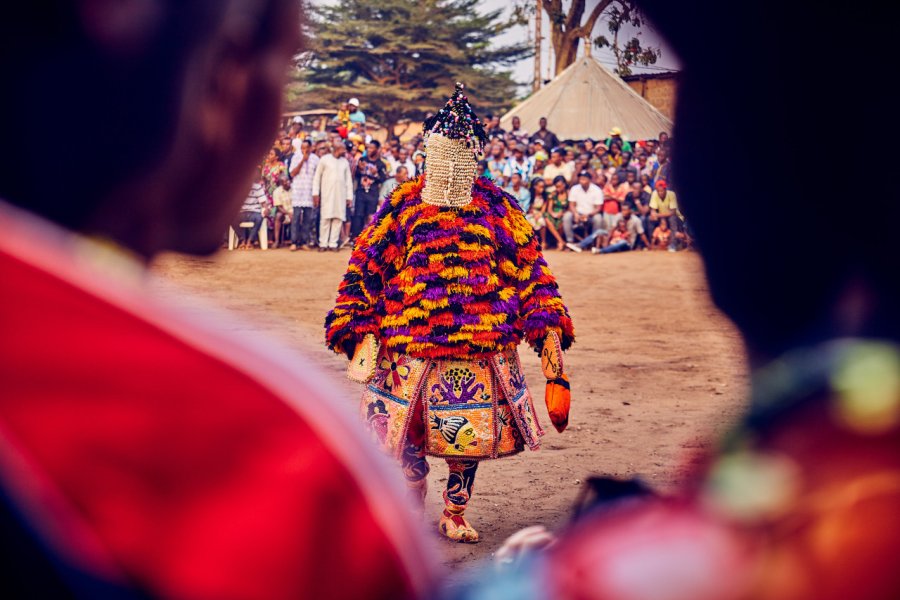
(402, 57)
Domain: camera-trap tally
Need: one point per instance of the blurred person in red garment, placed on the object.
(802, 499)
(144, 451)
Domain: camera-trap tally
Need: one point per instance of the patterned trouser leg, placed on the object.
(412, 458)
(460, 481)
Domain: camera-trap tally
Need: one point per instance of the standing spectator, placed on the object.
(272, 171)
(518, 163)
(557, 207)
(663, 166)
(372, 157)
(332, 195)
(366, 199)
(557, 168)
(518, 191)
(664, 206)
(419, 162)
(492, 126)
(387, 188)
(615, 136)
(547, 137)
(354, 114)
(303, 221)
(404, 160)
(253, 210)
(585, 203)
(520, 134)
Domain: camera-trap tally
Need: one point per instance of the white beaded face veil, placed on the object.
(454, 138)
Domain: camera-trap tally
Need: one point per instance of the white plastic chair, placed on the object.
(263, 235)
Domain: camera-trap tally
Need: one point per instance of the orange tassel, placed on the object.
(559, 399)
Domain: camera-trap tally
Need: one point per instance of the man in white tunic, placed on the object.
(333, 195)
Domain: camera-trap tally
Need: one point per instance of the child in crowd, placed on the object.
(281, 207)
(662, 235)
(620, 233)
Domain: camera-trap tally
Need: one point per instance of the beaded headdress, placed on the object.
(454, 138)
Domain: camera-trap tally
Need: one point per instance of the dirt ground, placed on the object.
(657, 373)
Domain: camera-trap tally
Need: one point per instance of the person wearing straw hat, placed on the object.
(440, 290)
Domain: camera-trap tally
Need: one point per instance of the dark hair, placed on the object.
(533, 184)
(376, 143)
(559, 178)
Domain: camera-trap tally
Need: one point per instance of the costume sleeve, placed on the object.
(355, 313)
(541, 308)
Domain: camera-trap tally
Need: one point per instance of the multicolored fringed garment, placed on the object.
(436, 282)
(449, 292)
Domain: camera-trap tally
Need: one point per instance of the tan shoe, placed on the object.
(454, 526)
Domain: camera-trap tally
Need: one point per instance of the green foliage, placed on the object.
(402, 57)
(632, 52)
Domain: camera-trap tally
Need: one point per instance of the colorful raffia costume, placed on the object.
(440, 290)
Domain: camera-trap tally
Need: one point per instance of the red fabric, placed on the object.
(199, 481)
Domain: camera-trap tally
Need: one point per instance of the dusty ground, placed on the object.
(657, 373)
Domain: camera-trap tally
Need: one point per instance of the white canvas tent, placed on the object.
(585, 101)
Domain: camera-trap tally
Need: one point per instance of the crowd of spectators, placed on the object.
(602, 196)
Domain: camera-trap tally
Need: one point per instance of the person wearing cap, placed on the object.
(585, 204)
(664, 205)
(355, 114)
(615, 135)
(440, 290)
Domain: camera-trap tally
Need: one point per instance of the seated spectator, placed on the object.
(614, 193)
(662, 236)
(496, 164)
(638, 202)
(646, 183)
(628, 232)
(538, 222)
(518, 163)
(281, 208)
(518, 191)
(253, 210)
(540, 162)
(585, 204)
(556, 208)
(557, 168)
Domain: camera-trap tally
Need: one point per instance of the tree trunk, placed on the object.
(565, 47)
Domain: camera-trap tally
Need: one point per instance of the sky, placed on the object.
(523, 71)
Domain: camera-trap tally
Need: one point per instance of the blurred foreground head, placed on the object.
(140, 120)
(795, 251)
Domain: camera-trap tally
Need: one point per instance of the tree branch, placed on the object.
(588, 26)
(576, 11)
